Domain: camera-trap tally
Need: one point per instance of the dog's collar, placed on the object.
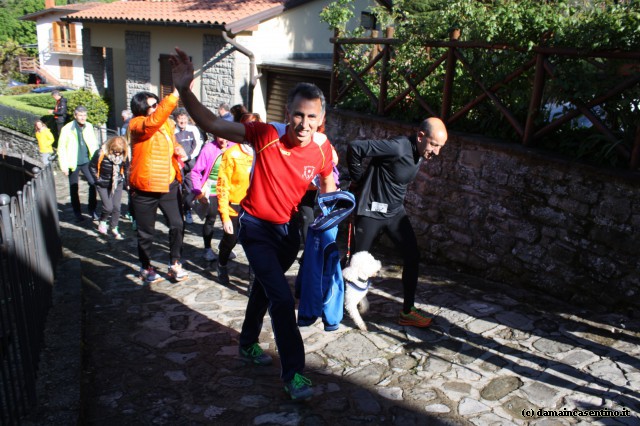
(359, 285)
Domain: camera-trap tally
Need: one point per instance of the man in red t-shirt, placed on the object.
(284, 167)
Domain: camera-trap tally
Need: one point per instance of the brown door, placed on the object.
(66, 69)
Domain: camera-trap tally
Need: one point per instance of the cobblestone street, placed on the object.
(495, 354)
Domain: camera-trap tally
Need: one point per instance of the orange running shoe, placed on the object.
(415, 318)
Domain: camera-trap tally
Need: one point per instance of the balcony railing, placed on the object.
(28, 65)
(65, 46)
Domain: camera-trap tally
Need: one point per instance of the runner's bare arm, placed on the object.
(327, 184)
(182, 71)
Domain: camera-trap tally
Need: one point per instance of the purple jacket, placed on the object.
(207, 158)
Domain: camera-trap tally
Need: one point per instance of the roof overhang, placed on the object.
(59, 10)
(235, 27)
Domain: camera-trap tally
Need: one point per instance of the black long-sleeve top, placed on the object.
(104, 177)
(383, 186)
(60, 110)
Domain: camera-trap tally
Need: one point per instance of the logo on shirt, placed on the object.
(309, 172)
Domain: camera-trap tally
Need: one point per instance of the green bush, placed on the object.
(38, 100)
(19, 124)
(40, 106)
(97, 108)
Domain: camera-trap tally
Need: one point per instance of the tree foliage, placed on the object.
(577, 24)
(9, 51)
(97, 108)
(337, 14)
(12, 28)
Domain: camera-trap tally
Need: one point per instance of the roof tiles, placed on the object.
(203, 12)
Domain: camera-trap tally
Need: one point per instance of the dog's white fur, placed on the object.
(361, 268)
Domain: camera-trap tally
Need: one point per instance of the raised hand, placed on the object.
(181, 70)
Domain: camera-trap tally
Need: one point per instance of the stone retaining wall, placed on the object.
(18, 143)
(515, 215)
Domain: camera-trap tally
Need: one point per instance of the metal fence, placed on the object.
(30, 247)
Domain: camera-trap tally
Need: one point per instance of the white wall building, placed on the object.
(59, 44)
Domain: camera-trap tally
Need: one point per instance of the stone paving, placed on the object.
(167, 353)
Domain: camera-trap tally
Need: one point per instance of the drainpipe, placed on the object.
(253, 78)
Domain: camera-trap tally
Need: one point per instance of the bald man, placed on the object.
(380, 192)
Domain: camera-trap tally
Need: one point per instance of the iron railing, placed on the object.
(30, 247)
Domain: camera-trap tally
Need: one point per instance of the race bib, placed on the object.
(378, 207)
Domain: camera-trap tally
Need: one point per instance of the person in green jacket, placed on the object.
(76, 146)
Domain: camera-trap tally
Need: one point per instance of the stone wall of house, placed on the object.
(515, 215)
(218, 82)
(93, 63)
(114, 116)
(18, 143)
(138, 54)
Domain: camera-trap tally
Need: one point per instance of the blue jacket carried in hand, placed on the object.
(319, 280)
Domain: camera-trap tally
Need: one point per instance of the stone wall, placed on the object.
(218, 79)
(93, 62)
(516, 215)
(18, 143)
(138, 53)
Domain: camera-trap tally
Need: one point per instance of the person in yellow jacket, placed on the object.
(45, 140)
(76, 145)
(234, 176)
(155, 178)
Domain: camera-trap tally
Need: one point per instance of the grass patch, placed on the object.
(36, 103)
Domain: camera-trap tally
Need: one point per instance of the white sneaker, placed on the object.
(116, 234)
(187, 217)
(103, 228)
(176, 273)
(209, 255)
(149, 275)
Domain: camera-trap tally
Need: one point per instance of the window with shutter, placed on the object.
(63, 37)
(166, 79)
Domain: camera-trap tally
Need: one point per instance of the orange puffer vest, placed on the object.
(153, 163)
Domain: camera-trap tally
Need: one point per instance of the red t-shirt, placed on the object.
(282, 172)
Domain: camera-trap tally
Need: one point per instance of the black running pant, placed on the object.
(399, 229)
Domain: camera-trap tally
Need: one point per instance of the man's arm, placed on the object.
(62, 149)
(327, 184)
(182, 71)
(360, 149)
(197, 134)
(91, 139)
(63, 107)
(222, 190)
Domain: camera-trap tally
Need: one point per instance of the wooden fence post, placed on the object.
(536, 99)
(333, 85)
(384, 79)
(635, 153)
(449, 77)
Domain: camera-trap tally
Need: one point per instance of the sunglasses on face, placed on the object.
(153, 105)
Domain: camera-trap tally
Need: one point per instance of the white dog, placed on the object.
(356, 277)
